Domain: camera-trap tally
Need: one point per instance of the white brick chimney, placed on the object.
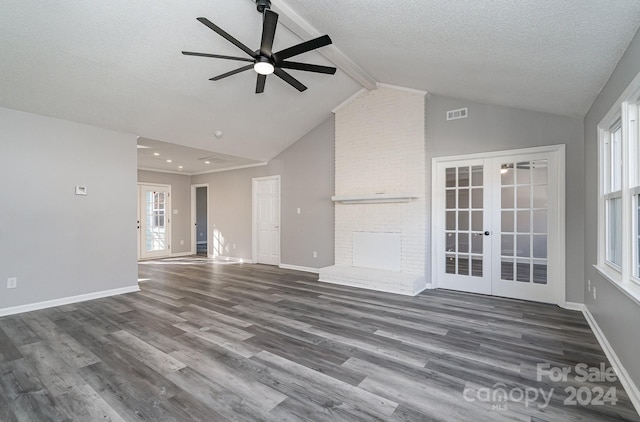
(380, 205)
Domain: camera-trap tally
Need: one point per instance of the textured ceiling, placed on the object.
(117, 63)
(545, 55)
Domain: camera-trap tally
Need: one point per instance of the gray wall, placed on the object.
(495, 128)
(307, 176)
(180, 200)
(201, 214)
(56, 243)
(616, 314)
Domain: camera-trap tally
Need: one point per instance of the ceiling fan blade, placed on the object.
(216, 56)
(308, 67)
(289, 79)
(233, 72)
(226, 36)
(302, 48)
(260, 84)
(268, 32)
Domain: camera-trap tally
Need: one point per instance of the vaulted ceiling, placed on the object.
(117, 64)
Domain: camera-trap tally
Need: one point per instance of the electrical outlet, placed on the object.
(594, 292)
(298, 210)
(315, 254)
(589, 285)
(234, 246)
(12, 282)
(182, 242)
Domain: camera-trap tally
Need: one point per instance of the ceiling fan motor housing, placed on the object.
(261, 5)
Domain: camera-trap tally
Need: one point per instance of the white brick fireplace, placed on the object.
(380, 206)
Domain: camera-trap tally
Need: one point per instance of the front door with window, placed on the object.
(154, 221)
(497, 228)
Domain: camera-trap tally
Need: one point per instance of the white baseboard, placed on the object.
(626, 381)
(574, 306)
(66, 300)
(179, 254)
(230, 259)
(299, 268)
(427, 286)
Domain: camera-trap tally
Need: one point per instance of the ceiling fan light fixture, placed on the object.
(264, 67)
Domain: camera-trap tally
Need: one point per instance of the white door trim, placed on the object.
(254, 212)
(194, 233)
(438, 201)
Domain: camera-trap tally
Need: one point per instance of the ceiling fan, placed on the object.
(264, 61)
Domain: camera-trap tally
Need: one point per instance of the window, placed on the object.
(613, 194)
(619, 203)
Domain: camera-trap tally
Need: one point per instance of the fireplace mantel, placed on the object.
(375, 198)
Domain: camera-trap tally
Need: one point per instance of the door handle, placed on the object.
(277, 227)
(487, 233)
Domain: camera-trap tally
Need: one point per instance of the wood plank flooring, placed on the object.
(208, 341)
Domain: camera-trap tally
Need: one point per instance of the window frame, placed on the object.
(625, 114)
(608, 188)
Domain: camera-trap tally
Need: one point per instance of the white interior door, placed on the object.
(466, 215)
(497, 226)
(267, 220)
(526, 228)
(154, 221)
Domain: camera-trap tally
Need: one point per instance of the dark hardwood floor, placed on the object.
(206, 341)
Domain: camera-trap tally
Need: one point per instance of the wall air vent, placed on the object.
(460, 113)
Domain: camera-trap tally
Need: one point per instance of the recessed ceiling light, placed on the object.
(207, 162)
(168, 161)
(156, 153)
(180, 167)
(218, 133)
(142, 146)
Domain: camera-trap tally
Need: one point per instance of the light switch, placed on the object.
(298, 210)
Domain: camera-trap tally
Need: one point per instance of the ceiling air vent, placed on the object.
(460, 113)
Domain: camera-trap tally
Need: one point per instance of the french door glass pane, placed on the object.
(508, 221)
(464, 220)
(476, 221)
(540, 221)
(524, 226)
(476, 266)
(463, 264)
(477, 175)
(463, 199)
(638, 235)
(451, 220)
(507, 270)
(463, 176)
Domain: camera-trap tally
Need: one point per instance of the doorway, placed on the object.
(266, 220)
(199, 219)
(154, 222)
(498, 224)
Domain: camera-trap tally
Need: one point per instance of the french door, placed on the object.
(497, 226)
(154, 221)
